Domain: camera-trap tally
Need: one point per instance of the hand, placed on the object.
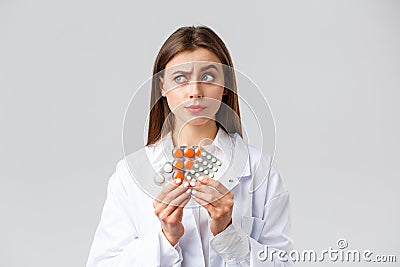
(169, 209)
(217, 200)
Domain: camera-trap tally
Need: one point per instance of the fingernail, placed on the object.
(186, 184)
(194, 191)
(193, 182)
(188, 191)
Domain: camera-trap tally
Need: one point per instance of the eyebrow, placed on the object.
(201, 69)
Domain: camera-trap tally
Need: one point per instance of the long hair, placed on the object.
(187, 39)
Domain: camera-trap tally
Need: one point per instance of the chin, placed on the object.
(198, 121)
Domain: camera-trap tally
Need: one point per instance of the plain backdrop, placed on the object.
(329, 69)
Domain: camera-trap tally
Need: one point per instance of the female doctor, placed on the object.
(216, 222)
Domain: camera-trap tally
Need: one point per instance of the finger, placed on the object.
(207, 193)
(163, 203)
(174, 194)
(210, 208)
(178, 211)
(214, 183)
(166, 189)
(163, 212)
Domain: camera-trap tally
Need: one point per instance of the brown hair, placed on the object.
(183, 39)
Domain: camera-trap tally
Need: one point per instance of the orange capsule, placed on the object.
(177, 153)
(178, 175)
(189, 152)
(178, 164)
(198, 151)
(189, 164)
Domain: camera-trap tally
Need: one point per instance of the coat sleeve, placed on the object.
(267, 231)
(117, 242)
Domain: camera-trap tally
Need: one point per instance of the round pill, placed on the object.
(178, 164)
(203, 153)
(201, 169)
(177, 153)
(196, 166)
(159, 179)
(189, 164)
(205, 171)
(179, 175)
(219, 163)
(208, 156)
(192, 171)
(205, 163)
(215, 169)
(197, 174)
(168, 167)
(211, 175)
(198, 151)
(210, 166)
(214, 160)
(189, 152)
(200, 160)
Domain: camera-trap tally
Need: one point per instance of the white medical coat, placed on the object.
(129, 233)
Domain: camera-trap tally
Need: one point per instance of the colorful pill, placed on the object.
(178, 164)
(189, 152)
(178, 175)
(189, 164)
(177, 153)
(198, 151)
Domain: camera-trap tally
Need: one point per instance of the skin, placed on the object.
(192, 129)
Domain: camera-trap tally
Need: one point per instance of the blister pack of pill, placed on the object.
(189, 163)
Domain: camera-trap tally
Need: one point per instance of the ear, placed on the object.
(161, 84)
(225, 91)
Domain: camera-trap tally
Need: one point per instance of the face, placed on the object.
(193, 84)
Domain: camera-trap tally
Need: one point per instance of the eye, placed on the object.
(208, 78)
(180, 79)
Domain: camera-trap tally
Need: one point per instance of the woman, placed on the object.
(223, 221)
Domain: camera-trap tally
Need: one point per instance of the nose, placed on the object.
(194, 89)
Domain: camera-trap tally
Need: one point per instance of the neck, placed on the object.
(194, 135)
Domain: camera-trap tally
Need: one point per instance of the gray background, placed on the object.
(330, 70)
